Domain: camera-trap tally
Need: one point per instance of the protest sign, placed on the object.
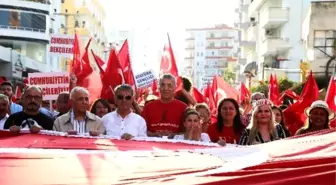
(144, 79)
(52, 83)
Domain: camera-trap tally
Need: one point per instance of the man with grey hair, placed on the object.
(164, 117)
(4, 108)
(123, 122)
(30, 118)
(79, 120)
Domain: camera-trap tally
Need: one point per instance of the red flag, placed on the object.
(294, 114)
(197, 95)
(76, 61)
(86, 68)
(155, 90)
(331, 94)
(113, 74)
(331, 98)
(98, 61)
(125, 63)
(222, 90)
(244, 93)
(168, 63)
(273, 90)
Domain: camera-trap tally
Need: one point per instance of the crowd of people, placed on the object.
(172, 115)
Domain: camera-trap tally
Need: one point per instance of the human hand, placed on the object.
(35, 129)
(221, 141)
(15, 129)
(126, 136)
(72, 132)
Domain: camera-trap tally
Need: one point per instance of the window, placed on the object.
(212, 44)
(323, 43)
(224, 53)
(213, 53)
(212, 35)
(224, 44)
(197, 54)
(201, 54)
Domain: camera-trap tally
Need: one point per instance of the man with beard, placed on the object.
(6, 88)
(30, 118)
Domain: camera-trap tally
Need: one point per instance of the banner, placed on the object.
(18, 63)
(61, 45)
(52, 83)
(144, 79)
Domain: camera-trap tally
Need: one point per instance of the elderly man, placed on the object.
(4, 108)
(6, 88)
(164, 117)
(123, 122)
(31, 117)
(79, 120)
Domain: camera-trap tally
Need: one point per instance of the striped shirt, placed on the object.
(79, 125)
(258, 139)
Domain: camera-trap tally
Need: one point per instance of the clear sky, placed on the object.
(163, 16)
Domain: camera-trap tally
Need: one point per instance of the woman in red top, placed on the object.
(229, 127)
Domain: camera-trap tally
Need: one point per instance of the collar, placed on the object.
(6, 116)
(118, 115)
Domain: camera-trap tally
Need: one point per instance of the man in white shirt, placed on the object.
(4, 108)
(123, 122)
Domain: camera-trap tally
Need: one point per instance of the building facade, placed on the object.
(86, 18)
(209, 52)
(24, 38)
(271, 37)
(319, 38)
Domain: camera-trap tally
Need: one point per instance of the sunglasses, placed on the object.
(119, 97)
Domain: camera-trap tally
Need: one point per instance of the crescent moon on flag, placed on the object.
(121, 75)
(221, 92)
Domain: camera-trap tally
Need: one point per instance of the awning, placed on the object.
(251, 68)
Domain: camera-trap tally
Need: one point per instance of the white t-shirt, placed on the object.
(132, 124)
(204, 137)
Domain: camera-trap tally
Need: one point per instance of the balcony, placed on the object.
(31, 6)
(274, 45)
(254, 7)
(281, 73)
(23, 32)
(274, 17)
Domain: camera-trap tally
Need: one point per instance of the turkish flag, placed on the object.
(86, 68)
(125, 63)
(273, 90)
(197, 95)
(76, 61)
(331, 97)
(245, 94)
(113, 75)
(294, 115)
(168, 63)
(222, 90)
(100, 63)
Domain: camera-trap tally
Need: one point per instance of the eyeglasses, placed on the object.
(119, 97)
(29, 97)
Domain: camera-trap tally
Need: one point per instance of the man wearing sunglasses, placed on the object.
(164, 116)
(123, 122)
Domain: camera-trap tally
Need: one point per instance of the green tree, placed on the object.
(229, 76)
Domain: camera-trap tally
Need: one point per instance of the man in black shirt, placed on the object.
(30, 118)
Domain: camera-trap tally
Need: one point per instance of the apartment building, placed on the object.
(24, 38)
(86, 18)
(319, 38)
(271, 37)
(209, 51)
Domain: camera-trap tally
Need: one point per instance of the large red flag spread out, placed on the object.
(168, 63)
(294, 114)
(125, 63)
